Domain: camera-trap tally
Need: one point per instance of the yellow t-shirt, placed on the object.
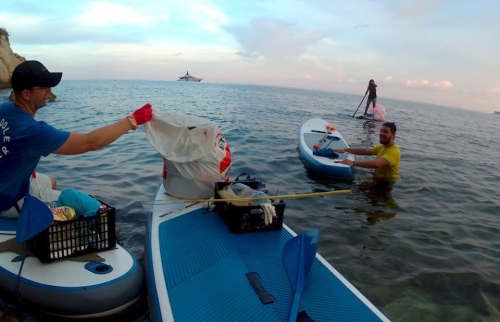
(391, 154)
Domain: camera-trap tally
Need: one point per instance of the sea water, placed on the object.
(427, 250)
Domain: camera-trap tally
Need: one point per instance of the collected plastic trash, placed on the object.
(82, 203)
(243, 191)
(63, 213)
(326, 153)
(240, 190)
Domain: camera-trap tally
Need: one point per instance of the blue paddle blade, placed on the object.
(298, 257)
(35, 216)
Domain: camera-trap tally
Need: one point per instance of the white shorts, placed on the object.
(41, 188)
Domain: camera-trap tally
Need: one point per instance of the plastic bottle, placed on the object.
(244, 191)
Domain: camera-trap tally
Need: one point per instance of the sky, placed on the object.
(442, 52)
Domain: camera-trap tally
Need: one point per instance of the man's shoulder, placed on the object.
(6, 105)
(395, 147)
(376, 148)
(393, 150)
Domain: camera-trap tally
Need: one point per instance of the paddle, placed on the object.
(359, 105)
(149, 205)
(298, 257)
(35, 216)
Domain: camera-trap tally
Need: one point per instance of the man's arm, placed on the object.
(359, 151)
(378, 163)
(78, 143)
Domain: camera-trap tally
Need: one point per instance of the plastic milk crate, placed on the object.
(80, 236)
(242, 219)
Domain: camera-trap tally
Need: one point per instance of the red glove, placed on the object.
(143, 115)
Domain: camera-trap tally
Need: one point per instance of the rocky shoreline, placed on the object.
(8, 61)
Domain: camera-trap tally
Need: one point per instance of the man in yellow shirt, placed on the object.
(388, 155)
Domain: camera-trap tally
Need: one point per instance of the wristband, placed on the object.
(132, 121)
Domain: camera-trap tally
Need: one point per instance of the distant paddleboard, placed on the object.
(365, 117)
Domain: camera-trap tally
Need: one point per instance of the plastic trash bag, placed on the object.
(195, 154)
(241, 190)
(180, 138)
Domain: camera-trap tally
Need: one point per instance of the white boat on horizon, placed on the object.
(189, 78)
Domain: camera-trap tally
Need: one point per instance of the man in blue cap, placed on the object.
(24, 140)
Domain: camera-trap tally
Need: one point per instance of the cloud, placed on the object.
(306, 77)
(208, 17)
(14, 22)
(417, 9)
(443, 85)
(496, 90)
(409, 82)
(106, 13)
(388, 78)
(273, 39)
(425, 83)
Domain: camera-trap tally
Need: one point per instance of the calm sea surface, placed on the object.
(429, 250)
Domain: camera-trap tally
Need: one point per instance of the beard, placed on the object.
(384, 139)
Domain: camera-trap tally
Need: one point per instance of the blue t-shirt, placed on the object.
(23, 141)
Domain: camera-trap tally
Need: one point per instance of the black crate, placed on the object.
(81, 236)
(243, 219)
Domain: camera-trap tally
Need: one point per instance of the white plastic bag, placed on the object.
(178, 186)
(195, 154)
(196, 179)
(213, 167)
(180, 138)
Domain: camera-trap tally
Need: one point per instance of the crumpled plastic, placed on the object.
(240, 190)
(329, 153)
(82, 203)
(269, 213)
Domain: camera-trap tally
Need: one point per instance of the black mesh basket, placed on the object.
(242, 219)
(80, 236)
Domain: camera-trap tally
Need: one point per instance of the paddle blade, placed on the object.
(298, 257)
(35, 216)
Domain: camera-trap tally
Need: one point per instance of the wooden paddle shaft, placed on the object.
(296, 196)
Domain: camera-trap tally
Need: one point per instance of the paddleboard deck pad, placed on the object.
(314, 137)
(90, 286)
(197, 270)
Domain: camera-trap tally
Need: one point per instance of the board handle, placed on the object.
(254, 280)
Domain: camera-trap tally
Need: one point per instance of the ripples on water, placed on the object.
(426, 251)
